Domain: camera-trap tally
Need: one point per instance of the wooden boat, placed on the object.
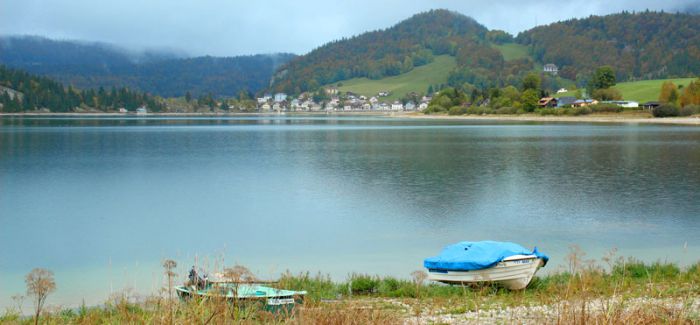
(256, 294)
(514, 272)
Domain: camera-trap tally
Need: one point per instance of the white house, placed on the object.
(332, 90)
(280, 97)
(141, 110)
(561, 90)
(551, 68)
(422, 106)
(624, 103)
(396, 106)
(265, 107)
(410, 106)
(278, 107)
(123, 110)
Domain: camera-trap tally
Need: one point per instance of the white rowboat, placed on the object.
(513, 272)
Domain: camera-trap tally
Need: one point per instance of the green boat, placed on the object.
(248, 295)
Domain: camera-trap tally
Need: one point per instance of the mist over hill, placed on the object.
(165, 73)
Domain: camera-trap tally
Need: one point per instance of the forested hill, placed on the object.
(92, 65)
(22, 92)
(643, 45)
(646, 45)
(392, 51)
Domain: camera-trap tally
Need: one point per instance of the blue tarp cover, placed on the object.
(478, 255)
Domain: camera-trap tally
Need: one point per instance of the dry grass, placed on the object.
(618, 291)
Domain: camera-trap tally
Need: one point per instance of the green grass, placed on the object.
(512, 51)
(640, 91)
(647, 90)
(417, 80)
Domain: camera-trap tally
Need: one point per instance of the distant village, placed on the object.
(337, 102)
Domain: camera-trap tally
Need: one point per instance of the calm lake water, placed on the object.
(102, 201)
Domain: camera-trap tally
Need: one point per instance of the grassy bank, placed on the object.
(617, 291)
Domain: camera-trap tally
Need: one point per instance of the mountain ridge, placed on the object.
(168, 74)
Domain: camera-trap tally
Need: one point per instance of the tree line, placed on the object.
(25, 92)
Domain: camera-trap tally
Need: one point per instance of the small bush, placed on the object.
(457, 110)
(548, 111)
(577, 111)
(688, 110)
(665, 110)
(637, 269)
(695, 109)
(392, 287)
(432, 109)
(506, 110)
(363, 284)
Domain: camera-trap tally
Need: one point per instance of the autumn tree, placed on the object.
(40, 284)
(669, 93)
(691, 94)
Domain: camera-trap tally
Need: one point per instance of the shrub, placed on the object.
(665, 110)
(689, 110)
(434, 109)
(478, 110)
(506, 110)
(577, 111)
(694, 108)
(637, 269)
(457, 110)
(363, 284)
(548, 111)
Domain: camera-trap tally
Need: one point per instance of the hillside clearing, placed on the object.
(512, 51)
(417, 80)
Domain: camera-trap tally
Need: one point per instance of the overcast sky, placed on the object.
(234, 27)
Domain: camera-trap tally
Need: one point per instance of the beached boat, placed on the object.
(504, 263)
(256, 294)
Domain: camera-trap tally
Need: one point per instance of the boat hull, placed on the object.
(275, 304)
(512, 274)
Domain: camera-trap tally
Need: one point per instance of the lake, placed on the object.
(102, 201)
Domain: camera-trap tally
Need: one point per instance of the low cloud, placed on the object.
(232, 27)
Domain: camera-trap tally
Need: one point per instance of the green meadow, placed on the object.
(512, 51)
(417, 80)
(641, 91)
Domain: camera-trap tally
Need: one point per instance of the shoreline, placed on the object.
(619, 118)
(593, 118)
